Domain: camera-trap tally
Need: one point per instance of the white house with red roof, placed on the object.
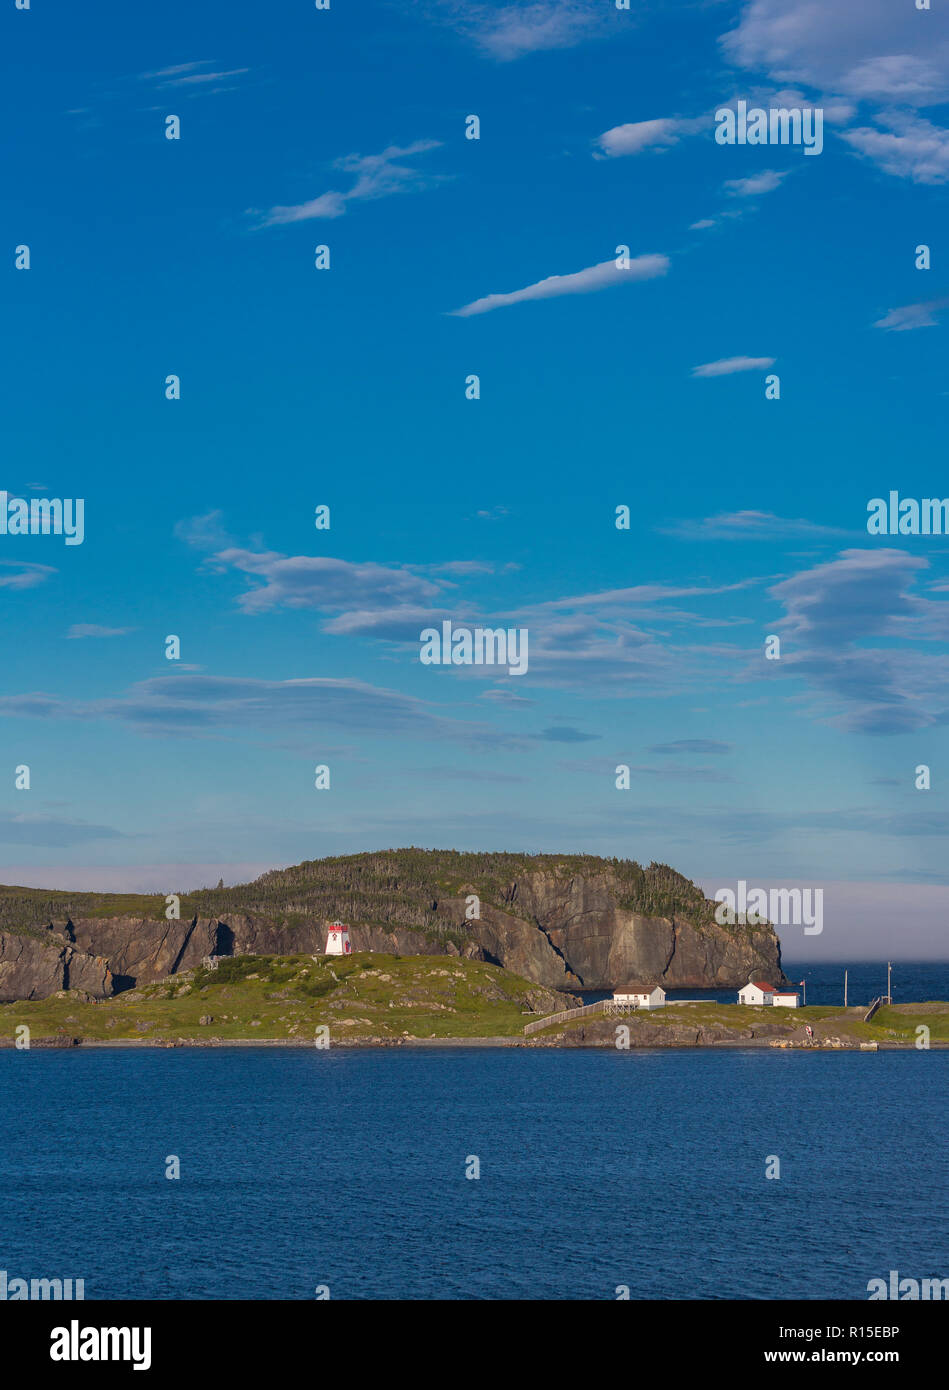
(760, 992)
(756, 992)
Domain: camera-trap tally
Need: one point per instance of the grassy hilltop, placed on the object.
(359, 996)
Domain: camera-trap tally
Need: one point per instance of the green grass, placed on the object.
(288, 997)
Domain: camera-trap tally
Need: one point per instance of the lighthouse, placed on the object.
(337, 940)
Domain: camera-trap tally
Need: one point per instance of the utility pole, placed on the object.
(889, 990)
(845, 989)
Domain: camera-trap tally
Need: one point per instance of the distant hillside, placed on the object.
(398, 887)
(568, 922)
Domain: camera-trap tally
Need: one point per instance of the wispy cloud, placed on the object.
(191, 76)
(37, 830)
(727, 366)
(749, 525)
(565, 734)
(375, 176)
(94, 630)
(509, 31)
(595, 277)
(321, 582)
(198, 705)
(765, 182)
(907, 146)
(910, 316)
(692, 745)
(23, 574)
(606, 767)
(834, 611)
(206, 532)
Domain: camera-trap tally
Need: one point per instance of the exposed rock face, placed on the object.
(141, 950)
(563, 931)
(32, 968)
(601, 1032)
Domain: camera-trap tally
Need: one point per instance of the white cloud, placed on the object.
(376, 176)
(908, 147)
(893, 54)
(659, 134)
(896, 77)
(888, 50)
(727, 366)
(765, 182)
(640, 135)
(595, 277)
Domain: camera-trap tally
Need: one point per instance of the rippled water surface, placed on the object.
(598, 1169)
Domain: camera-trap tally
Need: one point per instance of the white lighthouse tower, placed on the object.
(337, 940)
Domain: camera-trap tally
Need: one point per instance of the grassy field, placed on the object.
(365, 995)
(374, 997)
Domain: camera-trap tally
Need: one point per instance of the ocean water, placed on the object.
(302, 1168)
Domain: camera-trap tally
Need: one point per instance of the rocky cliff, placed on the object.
(36, 966)
(568, 923)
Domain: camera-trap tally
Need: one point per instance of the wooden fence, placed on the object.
(602, 1006)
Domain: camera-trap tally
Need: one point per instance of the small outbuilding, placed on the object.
(640, 995)
(756, 992)
(786, 999)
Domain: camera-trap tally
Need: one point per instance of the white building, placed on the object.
(787, 1000)
(337, 940)
(640, 996)
(756, 992)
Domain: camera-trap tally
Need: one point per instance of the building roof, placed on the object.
(637, 987)
(759, 984)
(785, 994)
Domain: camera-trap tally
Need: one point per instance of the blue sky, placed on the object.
(346, 387)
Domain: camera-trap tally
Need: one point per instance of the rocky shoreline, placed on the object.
(440, 1044)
